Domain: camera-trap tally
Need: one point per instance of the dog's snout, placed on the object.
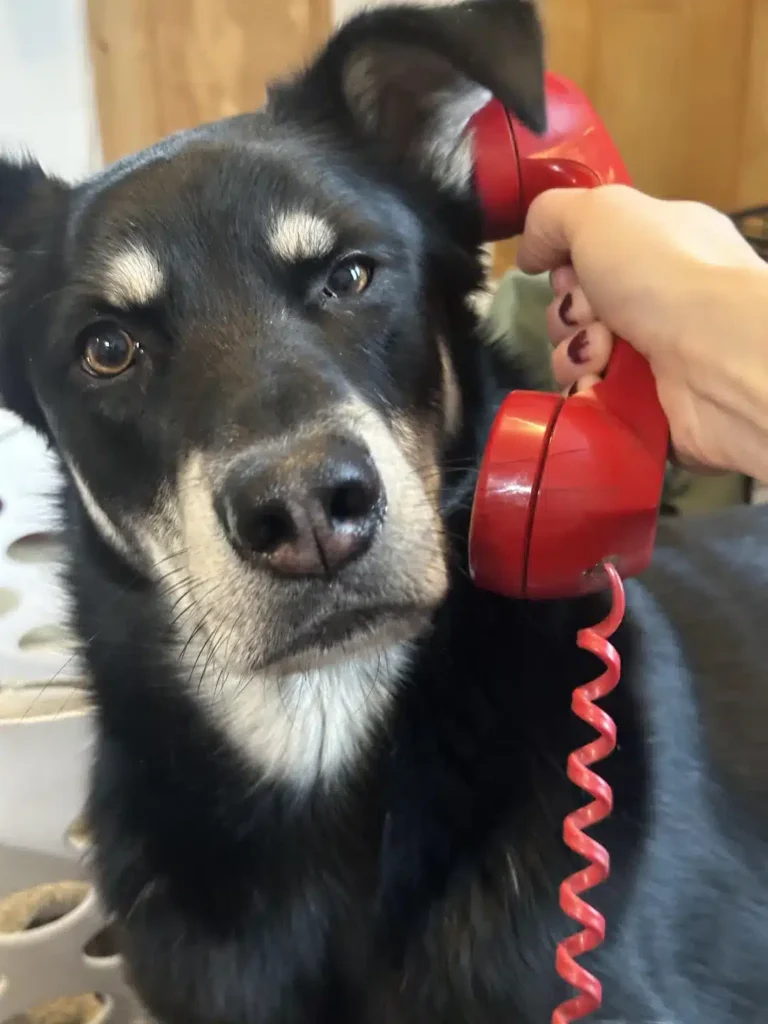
(306, 512)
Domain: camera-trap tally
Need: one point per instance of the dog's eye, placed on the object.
(107, 350)
(349, 277)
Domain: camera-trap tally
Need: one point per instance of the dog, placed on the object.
(329, 778)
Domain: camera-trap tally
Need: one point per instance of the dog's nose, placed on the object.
(307, 512)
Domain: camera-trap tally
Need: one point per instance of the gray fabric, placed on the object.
(517, 320)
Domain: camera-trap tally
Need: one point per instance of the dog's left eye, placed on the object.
(348, 278)
(107, 350)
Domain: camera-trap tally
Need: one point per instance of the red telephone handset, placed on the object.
(565, 484)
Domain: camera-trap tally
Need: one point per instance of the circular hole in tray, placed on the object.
(9, 600)
(103, 945)
(29, 909)
(36, 547)
(50, 639)
(83, 1009)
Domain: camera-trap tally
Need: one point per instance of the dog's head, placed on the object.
(242, 341)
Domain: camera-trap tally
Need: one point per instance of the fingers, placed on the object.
(546, 241)
(569, 311)
(583, 384)
(563, 280)
(583, 345)
(582, 354)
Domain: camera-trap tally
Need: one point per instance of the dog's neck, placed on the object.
(310, 728)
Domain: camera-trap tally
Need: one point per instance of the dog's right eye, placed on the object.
(350, 277)
(107, 350)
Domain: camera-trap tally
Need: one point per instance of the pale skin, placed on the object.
(677, 280)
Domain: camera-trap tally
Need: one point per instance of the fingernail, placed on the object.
(565, 310)
(577, 348)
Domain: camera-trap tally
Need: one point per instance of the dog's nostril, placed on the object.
(268, 527)
(351, 501)
(308, 515)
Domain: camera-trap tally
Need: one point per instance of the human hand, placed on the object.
(668, 277)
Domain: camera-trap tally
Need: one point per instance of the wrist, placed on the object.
(723, 334)
(723, 353)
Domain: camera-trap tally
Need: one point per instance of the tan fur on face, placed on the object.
(310, 723)
(313, 722)
(300, 235)
(406, 460)
(451, 392)
(302, 724)
(133, 277)
(101, 521)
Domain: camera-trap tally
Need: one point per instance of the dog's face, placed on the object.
(236, 340)
(252, 396)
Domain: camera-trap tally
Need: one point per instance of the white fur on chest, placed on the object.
(311, 726)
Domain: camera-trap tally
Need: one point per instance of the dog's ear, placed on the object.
(26, 195)
(31, 205)
(410, 78)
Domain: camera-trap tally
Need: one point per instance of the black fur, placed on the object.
(423, 886)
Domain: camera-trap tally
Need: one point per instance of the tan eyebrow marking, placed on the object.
(300, 235)
(133, 277)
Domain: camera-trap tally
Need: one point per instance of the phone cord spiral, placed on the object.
(595, 640)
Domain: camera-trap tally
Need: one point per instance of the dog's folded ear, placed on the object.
(17, 182)
(30, 208)
(410, 78)
(26, 193)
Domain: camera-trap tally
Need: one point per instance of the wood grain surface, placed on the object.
(161, 65)
(682, 86)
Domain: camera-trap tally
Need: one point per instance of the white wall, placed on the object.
(46, 103)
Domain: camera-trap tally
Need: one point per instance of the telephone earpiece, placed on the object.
(566, 484)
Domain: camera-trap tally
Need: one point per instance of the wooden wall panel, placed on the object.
(753, 165)
(570, 27)
(663, 74)
(682, 86)
(161, 65)
(717, 99)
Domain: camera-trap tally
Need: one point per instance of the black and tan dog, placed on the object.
(329, 782)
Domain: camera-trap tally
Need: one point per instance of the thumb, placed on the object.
(549, 227)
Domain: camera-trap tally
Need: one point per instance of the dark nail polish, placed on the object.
(577, 348)
(565, 311)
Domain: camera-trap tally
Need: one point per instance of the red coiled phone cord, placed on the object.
(594, 639)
